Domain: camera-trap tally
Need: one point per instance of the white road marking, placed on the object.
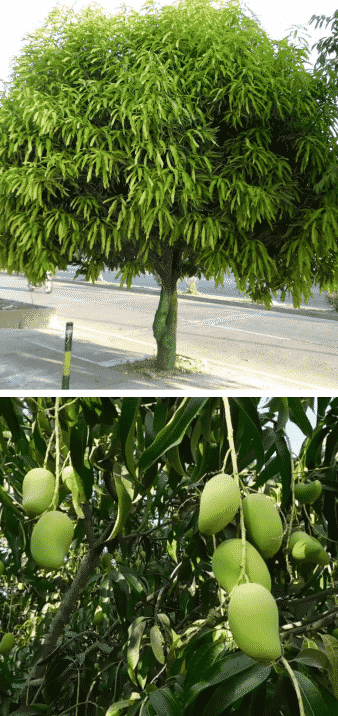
(230, 328)
(104, 363)
(260, 372)
(115, 335)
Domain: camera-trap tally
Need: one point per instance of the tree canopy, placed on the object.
(133, 622)
(182, 141)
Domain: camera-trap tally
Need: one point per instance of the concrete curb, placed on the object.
(327, 314)
(27, 317)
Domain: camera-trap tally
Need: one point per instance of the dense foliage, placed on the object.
(181, 142)
(134, 622)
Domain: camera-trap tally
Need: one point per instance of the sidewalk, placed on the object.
(33, 360)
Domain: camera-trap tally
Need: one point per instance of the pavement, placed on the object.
(32, 359)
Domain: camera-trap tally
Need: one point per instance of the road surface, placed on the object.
(292, 350)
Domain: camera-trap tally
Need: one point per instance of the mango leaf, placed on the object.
(173, 433)
(74, 484)
(299, 417)
(125, 495)
(18, 435)
(314, 448)
(331, 649)
(236, 673)
(249, 408)
(135, 631)
(270, 471)
(160, 415)
(156, 642)
(286, 465)
(7, 501)
(78, 446)
(283, 413)
(316, 699)
(166, 703)
(116, 708)
(129, 411)
(174, 460)
(322, 405)
(331, 447)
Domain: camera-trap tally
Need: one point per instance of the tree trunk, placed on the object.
(165, 321)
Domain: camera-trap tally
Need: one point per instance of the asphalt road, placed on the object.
(300, 350)
(228, 289)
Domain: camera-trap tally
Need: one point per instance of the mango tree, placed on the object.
(182, 141)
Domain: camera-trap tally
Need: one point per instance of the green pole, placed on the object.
(68, 356)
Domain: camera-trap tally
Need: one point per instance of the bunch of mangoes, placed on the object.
(252, 611)
(51, 539)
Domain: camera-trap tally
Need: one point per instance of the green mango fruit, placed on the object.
(335, 633)
(226, 564)
(6, 644)
(98, 616)
(253, 621)
(306, 493)
(37, 491)
(2, 568)
(263, 524)
(51, 539)
(220, 500)
(306, 548)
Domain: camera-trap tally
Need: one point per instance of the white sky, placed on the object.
(18, 18)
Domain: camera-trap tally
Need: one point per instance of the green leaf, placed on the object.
(270, 471)
(285, 465)
(316, 699)
(156, 642)
(173, 433)
(314, 448)
(322, 405)
(78, 448)
(236, 673)
(331, 447)
(74, 484)
(125, 493)
(7, 501)
(249, 408)
(129, 411)
(165, 702)
(18, 435)
(299, 417)
(135, 632)
(174, 460)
